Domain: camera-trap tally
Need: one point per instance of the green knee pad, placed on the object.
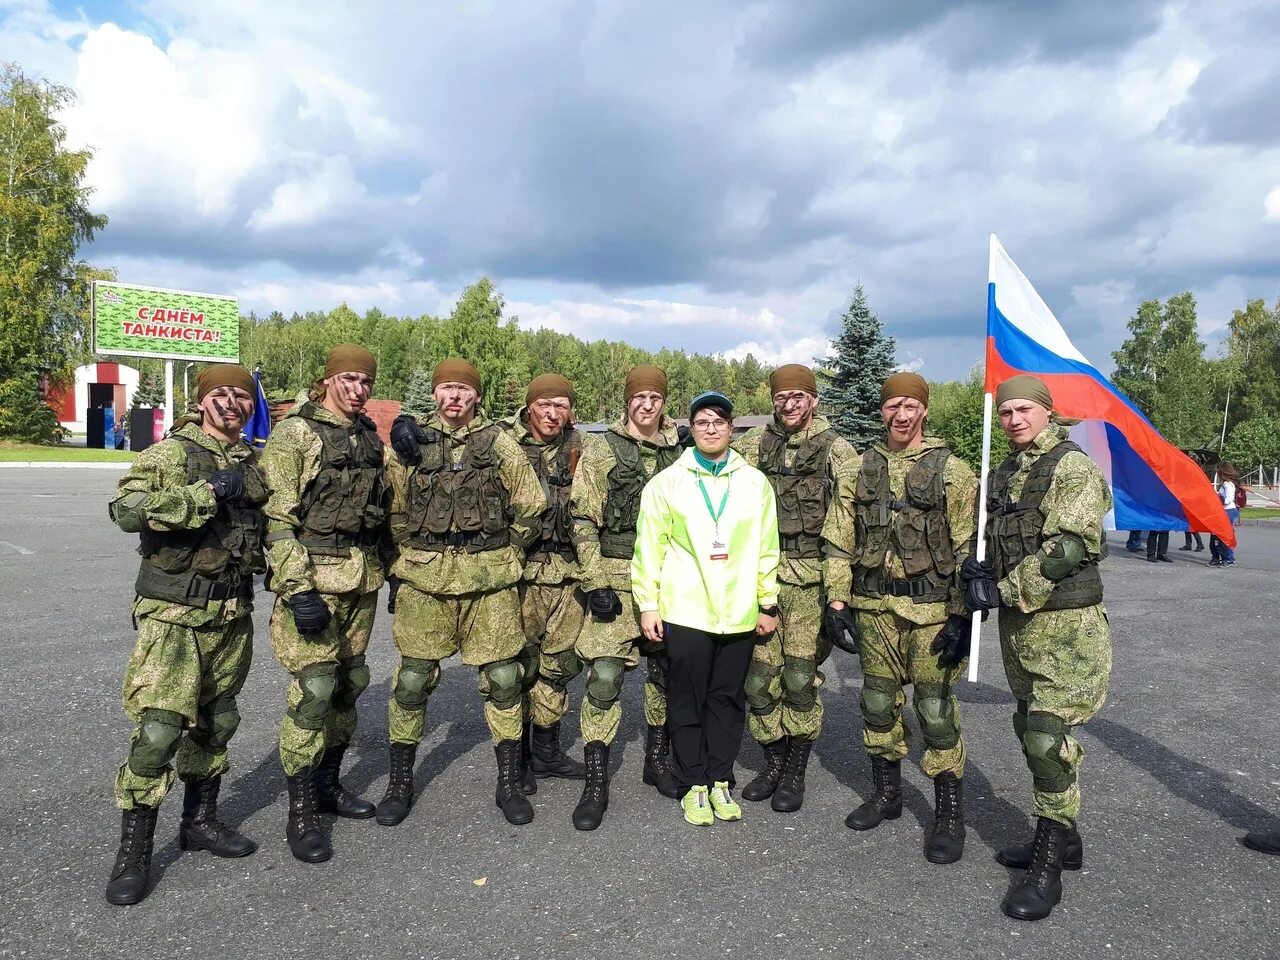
(1042, 743)
(501, 683)
(557, 669)
(798, 688)
(155, 742)
(880, 703)
(415, 681)
(937, 715)
(352, 680)
(528, 660)
(657, 664)
(317, 682)
(216, 724)
(604, 681)
(759, 680)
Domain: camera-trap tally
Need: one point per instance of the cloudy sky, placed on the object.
(714, 176)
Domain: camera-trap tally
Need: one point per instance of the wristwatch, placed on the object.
(770, 611)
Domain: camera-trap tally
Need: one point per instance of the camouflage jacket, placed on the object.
(587, 500)
(961, 486)
(291, 462)
(1076, 502)
(555, 569)
(155, 487)
(799, 571)
(453, 571)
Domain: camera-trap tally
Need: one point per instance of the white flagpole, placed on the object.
(981, 549)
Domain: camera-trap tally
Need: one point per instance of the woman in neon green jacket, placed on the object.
(704, 576)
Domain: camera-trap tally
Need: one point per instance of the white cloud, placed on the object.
(321, 195)
(803, 351)
(1271, 206)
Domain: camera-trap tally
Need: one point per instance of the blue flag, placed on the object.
(259, 425)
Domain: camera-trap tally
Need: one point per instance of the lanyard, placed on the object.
(715, 514)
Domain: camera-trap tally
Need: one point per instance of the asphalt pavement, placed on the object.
(1178, 765)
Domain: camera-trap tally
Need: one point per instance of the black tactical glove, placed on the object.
(393, 585)
(310, 615)
(407, 438)
(227, 484)
(953, 640)
(980, 590)
(603, 604)
(841, 629)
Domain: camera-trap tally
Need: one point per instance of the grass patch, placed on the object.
(1260, 513)
(22, 452)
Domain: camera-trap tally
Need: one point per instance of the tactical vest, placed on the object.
(803, 489)
(219, 559)
(622, 498)
(1016, 530)
(556, 532)
(463, 504)
(345, 505)
(915, 527)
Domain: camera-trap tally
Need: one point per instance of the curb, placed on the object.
(57, 465)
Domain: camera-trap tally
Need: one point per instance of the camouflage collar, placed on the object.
(478, 423)
(191, 431)
(911, 453)
(815, 427)
(1046, 440)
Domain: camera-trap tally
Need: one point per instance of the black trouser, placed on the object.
(1199, 542)
(1157, 543)
(706, 702)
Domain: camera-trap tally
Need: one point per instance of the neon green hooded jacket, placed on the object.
(672, 570)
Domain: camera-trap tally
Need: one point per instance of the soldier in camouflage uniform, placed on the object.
(903, 523)
(552, 605)
(196, 500)
(1044, 539)
(326, 533)
(605, 501)
(800, 454)
(465, 506)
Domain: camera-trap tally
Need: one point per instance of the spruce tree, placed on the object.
(417, 393)
(862, 356)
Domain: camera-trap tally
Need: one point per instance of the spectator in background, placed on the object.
(1134, 543)
(1187, 545)
(1223, 555)
(1158, 546)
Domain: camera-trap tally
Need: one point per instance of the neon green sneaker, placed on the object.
(697, 808)
(722, 803)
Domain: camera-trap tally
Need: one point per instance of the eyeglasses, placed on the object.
(709, 425)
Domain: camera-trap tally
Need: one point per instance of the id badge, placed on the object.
(719, 550)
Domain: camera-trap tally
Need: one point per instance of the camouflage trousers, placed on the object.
(610, 649)
(896, 652)
(1058, 663)
(784, 679)
(192, 676)
(484, 628)
(329, 674)
(553, 618)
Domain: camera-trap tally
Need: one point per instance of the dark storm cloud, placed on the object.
(971, 34)
(1233, 101)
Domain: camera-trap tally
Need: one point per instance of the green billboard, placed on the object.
(134, 321)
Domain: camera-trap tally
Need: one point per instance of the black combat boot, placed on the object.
(595, 792)
(789, 795)
(398, 799)
(944, 842)
(306, 841)
(332, 796)
(528, 783)
(657, 762)
(1040, 890)
(514, 806)
(1019, 858)
(202, 830)
(131, 874)
(766, 781)
(1254, 840)
(549, 760)
(886, 796)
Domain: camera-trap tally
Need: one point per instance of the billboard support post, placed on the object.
(168, 395)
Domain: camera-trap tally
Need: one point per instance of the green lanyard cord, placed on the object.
(715, 514)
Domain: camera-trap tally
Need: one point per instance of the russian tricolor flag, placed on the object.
(1155, 485)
